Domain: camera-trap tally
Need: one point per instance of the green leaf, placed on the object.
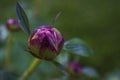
(78, 47)
(22, 19)
(56, 18)
(61, 67)
(90, 72)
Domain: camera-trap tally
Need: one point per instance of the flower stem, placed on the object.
(8, 49)
(31, 69)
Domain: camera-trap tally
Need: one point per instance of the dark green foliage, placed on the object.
(78, 47)
(22, 19)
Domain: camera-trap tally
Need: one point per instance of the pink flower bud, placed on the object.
(12, 25)
(45, 42)
(75, 67)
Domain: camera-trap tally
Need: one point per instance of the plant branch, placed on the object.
(8, 49)
(31, 69)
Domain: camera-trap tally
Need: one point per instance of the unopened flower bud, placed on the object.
(75, 67)
(12, 25)
(45, 42)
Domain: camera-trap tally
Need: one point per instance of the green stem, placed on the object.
(8, 49)
(31, 69)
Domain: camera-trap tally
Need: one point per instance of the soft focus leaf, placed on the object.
(63, 58)
(6, 76)
(77, 46)
(22, 19)
(3, 33)
(61, 67)
(115, 75)
(90, 72)
(56, 17)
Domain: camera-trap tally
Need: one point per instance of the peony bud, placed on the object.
(12, 25)
(75, 67)
(45, 42)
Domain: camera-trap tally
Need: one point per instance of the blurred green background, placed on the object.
(97, 22)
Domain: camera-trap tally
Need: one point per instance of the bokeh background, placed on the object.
(97, 22)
